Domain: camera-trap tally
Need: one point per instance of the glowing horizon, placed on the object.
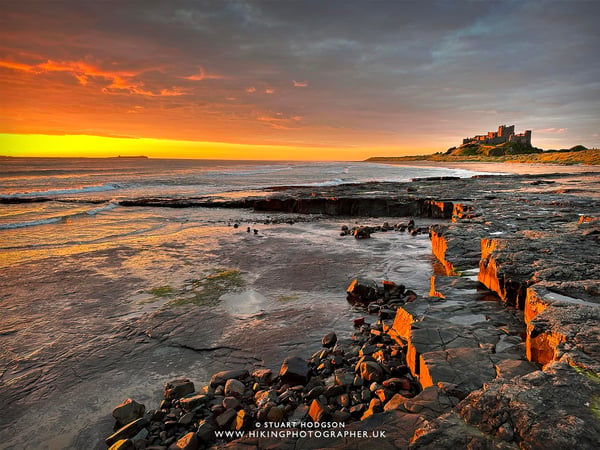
(88, 146)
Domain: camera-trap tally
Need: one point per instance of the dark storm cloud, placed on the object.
(387, 67)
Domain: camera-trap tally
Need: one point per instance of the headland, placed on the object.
(503, 145)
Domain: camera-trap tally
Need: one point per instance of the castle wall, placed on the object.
(504, 134)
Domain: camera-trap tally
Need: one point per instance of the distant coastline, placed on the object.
(132, 157)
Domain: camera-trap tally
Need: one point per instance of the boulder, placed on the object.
(234, 388)
(329, 340)
(319, 412)
(128, 411)
(275, 414)
(362, 291)
(188, 442)
(222, 377)
(186, 419)
(223, 420)
(370, 371)
(392, 290)
(128, 431)
(205, 432)
(193, 401)
(178, 388)
(358, 322)
(231, 402)
(294, 370)
(361, 233)
(263, 375)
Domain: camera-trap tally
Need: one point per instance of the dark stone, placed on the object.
(263, 375)
(329, 339)
(188, 442)
(206, 432)
(385, 313)
(221, 378)
(319, 412)
(361, 233)
(294, 370)
(193, 401)
(223, 420)
(392, 290)
(178, 388)
(128, 431)
(128, 411)
(370, 371)
(333, 391)
(234, 388)
(231, 403)
(362, 291)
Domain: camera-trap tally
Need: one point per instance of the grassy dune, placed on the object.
(588, 157)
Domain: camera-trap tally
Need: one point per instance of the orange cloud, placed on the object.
(17, 66)
(121, 81)
(280, 122)
(202, 75)
(300, 83)
(136, 110)
(79, 69)
(552, 130)
(123, 85)
(269, 91)
(251, 90)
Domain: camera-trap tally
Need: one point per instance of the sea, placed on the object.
(85, 193)
(101, 302)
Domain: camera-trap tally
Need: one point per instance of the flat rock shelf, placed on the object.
(503, 352)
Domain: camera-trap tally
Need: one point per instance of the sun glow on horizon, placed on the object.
(89, 146)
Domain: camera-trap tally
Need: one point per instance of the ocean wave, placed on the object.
(82, 190)
(107, 207)
(261, 171)
(57, 219)
(30, 223)
(334, 182)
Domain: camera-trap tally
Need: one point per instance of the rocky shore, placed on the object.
(502, 352)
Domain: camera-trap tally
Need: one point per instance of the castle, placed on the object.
(504, 134)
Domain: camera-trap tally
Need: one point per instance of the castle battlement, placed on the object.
(504, 134)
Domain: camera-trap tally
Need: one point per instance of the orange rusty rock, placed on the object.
(402, 325)
(439, 246)
(433, 292)
(534, 305)
(541, 346)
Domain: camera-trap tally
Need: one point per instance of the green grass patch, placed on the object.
(162, 291)
(594, 404)
(287, 298)
(208, 290)
(593, 376)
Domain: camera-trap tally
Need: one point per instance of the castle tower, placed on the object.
(506, 132)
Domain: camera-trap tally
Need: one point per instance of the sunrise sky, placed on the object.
(302, 79)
